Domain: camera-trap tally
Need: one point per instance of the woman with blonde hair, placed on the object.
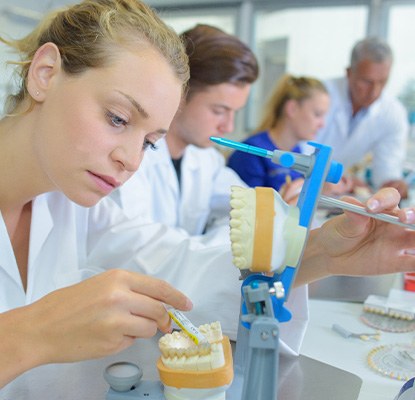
(100, 83)
(294, 112)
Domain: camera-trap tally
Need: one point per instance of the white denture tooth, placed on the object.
(166, 361)
(235, 196)
(163, 339)
(236, 213)
(235, 236)
(204, 328)
(240, 262)
(204, 363)
(212, 332)
(180, 362)
(237, 249)
(235, 223)
(191, 351)
(164, 351)
(217, 357)
(237, 203)
(164, 347)
(204, 348)
(216, 331)
(190, 363)
(176, 335)
(237, 191)
(173, 362)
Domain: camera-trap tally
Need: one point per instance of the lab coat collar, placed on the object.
(375, 107)
(191, 158)
(163, 150)
(42, 220)
(372, 110)
(164, 159)
(7, 259)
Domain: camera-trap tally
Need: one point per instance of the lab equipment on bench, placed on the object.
(264, 222)
(396, 361)
(394, 313)
(362, 336)
(268, 223)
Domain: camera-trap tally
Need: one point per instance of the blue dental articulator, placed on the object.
(263, 297)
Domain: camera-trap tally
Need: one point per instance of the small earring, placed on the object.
(37, 93)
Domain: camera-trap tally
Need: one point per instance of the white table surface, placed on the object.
(324, 344)
(85, 381)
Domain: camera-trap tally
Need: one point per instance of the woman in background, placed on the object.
(294, 112)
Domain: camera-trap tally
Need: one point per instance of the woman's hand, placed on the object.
(97, 317)
(352, 244)
(400, 185)
(291, 190)
(344, 186)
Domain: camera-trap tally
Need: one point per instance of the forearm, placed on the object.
(18, 350)
(314, 264)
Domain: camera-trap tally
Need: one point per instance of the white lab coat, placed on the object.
(199, 205)
(383, 131)
(69, 243)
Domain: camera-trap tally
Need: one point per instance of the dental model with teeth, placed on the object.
(192, 371)
(281, 239)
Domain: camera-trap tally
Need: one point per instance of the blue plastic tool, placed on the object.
(263, 297)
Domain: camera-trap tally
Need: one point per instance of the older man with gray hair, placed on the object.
(364, 120)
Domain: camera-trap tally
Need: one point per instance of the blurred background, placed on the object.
(308, 37)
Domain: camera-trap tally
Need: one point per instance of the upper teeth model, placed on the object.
(265, 231)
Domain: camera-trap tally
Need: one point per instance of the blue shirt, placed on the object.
(261, 171)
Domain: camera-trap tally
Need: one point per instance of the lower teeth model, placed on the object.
(192, 371)
(265, 231)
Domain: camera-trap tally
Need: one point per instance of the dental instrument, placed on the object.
(362, 336)
(330, 202)
(289, 160)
